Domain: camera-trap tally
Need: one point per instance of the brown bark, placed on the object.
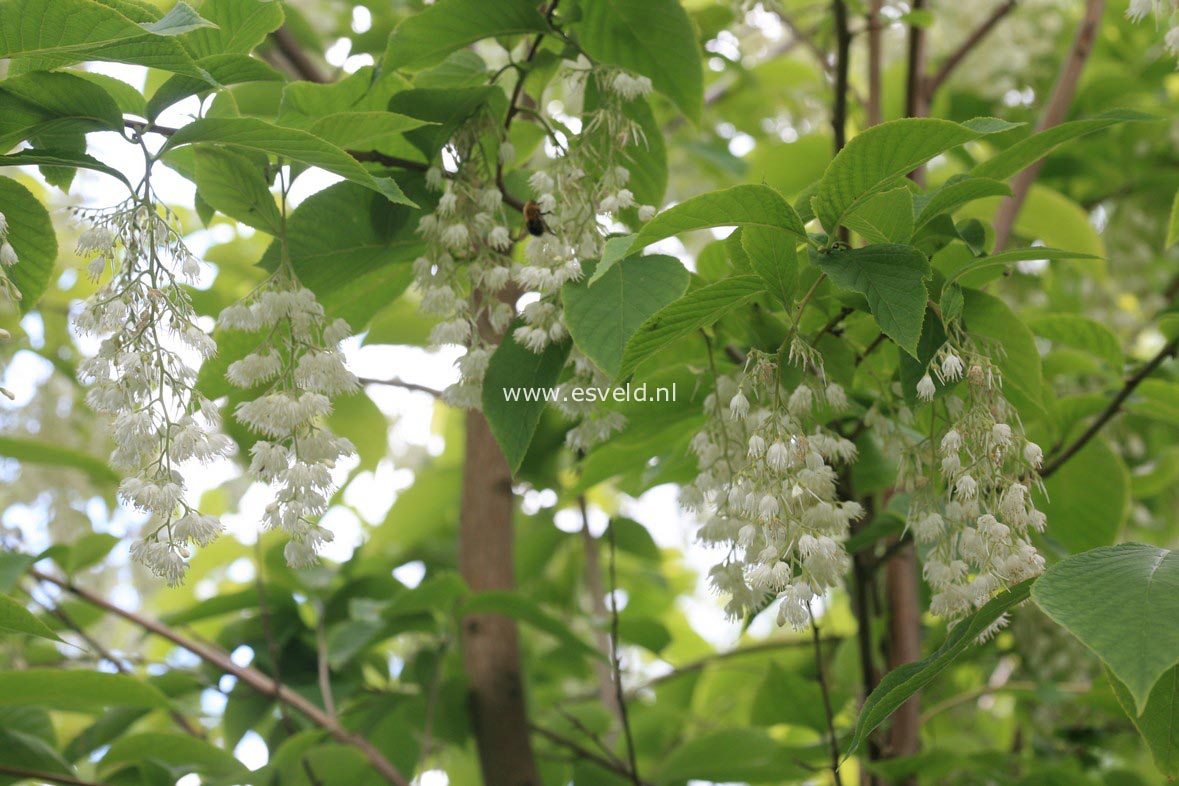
(491, 646)
(904, 645)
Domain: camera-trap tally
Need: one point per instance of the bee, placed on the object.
(534, 218)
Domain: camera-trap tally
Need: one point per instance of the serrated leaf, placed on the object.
(654, 38)
(363, 130)
(46, 34)
(30, 231)
(43, 102)
(241, 25)
(884, 218)
(602, 318)
(65, 158)
(892, 278)
(772, 256)
(15, 618)
(746, 205)
(228, 69)
(233, 183)
(1121, 602)
(1028, 151)
(1011, 256)
(514, 370)
(251, 134)
(872, 161)
(181, 18)
(957, 191)
(77, 690)
(427, 37)
(697, 309)
(1078, 332)
(901, 683)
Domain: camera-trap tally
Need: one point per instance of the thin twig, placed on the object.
(401, 383)
(967, 46)
(616, 661)
(25, 773)
(303, 65)
(585, 753)
(251, 677)
(597, 594)
(1114, 406)
(832, 739)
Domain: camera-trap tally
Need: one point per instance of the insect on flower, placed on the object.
(534, 218)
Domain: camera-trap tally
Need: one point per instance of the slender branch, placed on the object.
(401, 383)
(874, 105)
(251, 677)
(303, 65)
(1054, 113)
(597, 594)
(1111, 409)
(842, 52)
(932, 83)
(585, 753)
(323, 668)
(1015, 686)
(832, 738)
(616, 661)
(23, 773)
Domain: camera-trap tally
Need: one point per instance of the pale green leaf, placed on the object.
(874, 160)
(229, 69)
(892, 278)
(64, 158)
(731, 755)
(1078, 332)
(1011, 256)
(1121, 602)
(884, 218)
(523, 609)
(1088, 498)
(234, 183)
(15, 618)
(363, 130)
(241, 25)
(614, 250)
(901, 683)
(1157, 399)
(602, 318)
(427, 37)
(30, 231)
(695, 310)
(747, 205)
(1158, 722)
(181, 753)
(1015, 346)
(515, 374)
(181, 18)
(46, 102)
(77, 690)
(957, 191)
(90, 549)
(772, 256)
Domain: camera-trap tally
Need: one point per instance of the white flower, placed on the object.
(738, 406)
(1033, 454)
(836, 397)
(434, 178)
(499, 238)
(8, 256)
(195, 527)
(778, 457)
(547, 203)
(757, 446)
(3, 224)
(952, 367)
(625, 198)
(269, 460)
(299, 555)
(541, 182)
(801, 401)
(190, 268)
(254, 369)
(630, 87)
(1001, 434)
(239, 317)
(966, 487)
(456, 331)
(952, 441)
(1171, 40)
(926, 389)
(929, 527)
(1139, 9)
(447, 204)
(768, 507)
(456, 237)
(324, 372)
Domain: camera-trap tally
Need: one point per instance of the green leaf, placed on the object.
(773, 257)
(1088, 335)
(15, 618)
(234, 183)
(697, 309)
(251, 134)
(731, 755)
(39, 452)
(958, 190)
(428, 36)
(1028, 151)
(178, 752)
(873, 161)
(44, 102)
(22, 749)
(1004, 258)
(88, 550)
(1121, 602)
(77, 690)
(1158, 723)
(528, 611)
(884, 218)
(654, 38)
(1157, 399)
(363, 130)
(748, 205)
(30, 231)
(892, 278)
(615, 250)
(46, 34)
(1173, 224)
(786, 696)
(60, 158)
(602, 318)
(1019, 359)
(1088, 498)
(901, 683)
(515, 370)
(241, 25)
(230, 69)
(181, 18)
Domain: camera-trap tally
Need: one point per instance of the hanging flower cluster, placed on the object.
(294, 372)
(140, 376)
(976, 522)
(767, 487)
(1165, 12)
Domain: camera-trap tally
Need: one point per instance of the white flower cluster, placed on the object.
(1165, 12)
(140, 378)
(767, 489)
(8, 258)
(977, 529)
(295, 370)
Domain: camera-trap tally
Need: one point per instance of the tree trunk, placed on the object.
(491, 647)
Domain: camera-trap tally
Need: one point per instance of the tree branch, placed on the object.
(1112, 409)
(249, 676)
(585, 753)
(1054, 113)
(616, 662)
(832, 737)
(24, 773)
(303, 65)
(934, 82)
(401, 383)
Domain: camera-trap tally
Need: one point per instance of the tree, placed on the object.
(885, 294)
